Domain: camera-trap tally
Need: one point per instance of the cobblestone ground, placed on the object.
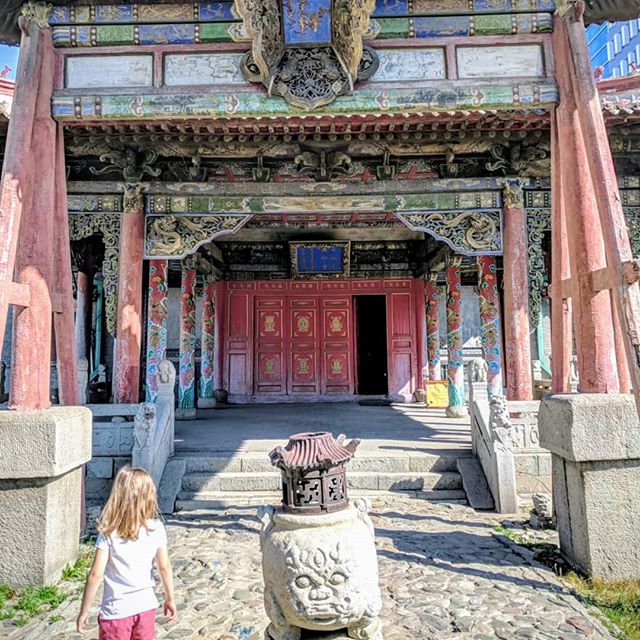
(444, 574)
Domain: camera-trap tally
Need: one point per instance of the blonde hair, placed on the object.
(131, 504)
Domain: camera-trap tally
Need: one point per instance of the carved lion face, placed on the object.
(323, 586)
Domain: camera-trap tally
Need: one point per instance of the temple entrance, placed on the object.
(371, 344)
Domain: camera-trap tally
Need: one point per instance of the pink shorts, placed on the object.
(142, 626)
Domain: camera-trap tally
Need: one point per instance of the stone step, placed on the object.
(210, 501)
(386, 481)
(258, 462)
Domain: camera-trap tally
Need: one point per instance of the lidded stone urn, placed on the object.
(318, 549)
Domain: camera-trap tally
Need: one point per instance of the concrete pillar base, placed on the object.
(457, 412)
(186, 414)
(595, 444)
(207, 403)
(41, 458)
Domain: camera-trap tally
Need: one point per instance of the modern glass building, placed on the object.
(615, 46)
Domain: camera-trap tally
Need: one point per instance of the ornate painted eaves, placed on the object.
(468, 232)
(307, 51)
(176, 236)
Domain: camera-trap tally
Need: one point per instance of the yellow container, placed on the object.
(437, 393)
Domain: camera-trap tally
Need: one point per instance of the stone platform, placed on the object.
(405, 448)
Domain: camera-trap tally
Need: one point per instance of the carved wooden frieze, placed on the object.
(309, 52)
(177, 236)
(84, 225)
(467, 232)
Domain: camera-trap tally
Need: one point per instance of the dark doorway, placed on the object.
(371, 344)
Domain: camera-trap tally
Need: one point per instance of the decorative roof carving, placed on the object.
(308, 52)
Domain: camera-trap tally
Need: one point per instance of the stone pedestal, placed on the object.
(595, 444)
(41, 458)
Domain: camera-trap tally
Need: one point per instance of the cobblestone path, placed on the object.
(445, 574)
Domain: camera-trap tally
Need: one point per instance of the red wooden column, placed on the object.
(60, 285)
(592, 316)
(516, 295)
(32, 328)
(433, 329)
(561, 313)
(622, 272)
(126, 376)
(17, 170)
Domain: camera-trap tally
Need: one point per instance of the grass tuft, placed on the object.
(619, 601)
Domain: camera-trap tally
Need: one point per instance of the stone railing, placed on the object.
(138, 434)
(154, 426)
(505, 439)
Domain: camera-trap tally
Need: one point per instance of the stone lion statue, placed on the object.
(499, 423)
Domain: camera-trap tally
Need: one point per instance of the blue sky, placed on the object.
(9, 56)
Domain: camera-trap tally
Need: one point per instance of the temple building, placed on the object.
(314, 206)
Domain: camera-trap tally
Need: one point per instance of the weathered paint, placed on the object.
(219, 305)
(187, 372)
(455, 363)
(207, 340)
(592, 314)
(561, 309)
(61, 284)
(126, 376)
(156, 324)
(598, 155)
(367, 100)
(516, 296)
(17, 167)
(32, 326)
(491, 325)
(433, 328)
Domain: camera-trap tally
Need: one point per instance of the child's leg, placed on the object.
(144, 626)
(119, 629)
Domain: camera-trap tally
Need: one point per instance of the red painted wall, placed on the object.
(291, 337)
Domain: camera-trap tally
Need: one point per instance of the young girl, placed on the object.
(130, 538)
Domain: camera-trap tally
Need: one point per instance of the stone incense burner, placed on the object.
(318, 554)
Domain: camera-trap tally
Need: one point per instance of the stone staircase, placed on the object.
(212, 482)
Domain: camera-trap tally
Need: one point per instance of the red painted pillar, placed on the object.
(561, 308)
(60, 284)
(624, 378)
(433, 329)
(17, 170)
(592, 316)
(126, 376)
(187, 375)
(516, 295)
(31, 376)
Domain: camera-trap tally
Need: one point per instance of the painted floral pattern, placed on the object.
(186, 389)
(207, 341)
(433, 331)
(455, 366)
(490, 316)
(156, 324)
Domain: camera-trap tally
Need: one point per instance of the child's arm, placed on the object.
(166, 575)
(94, 579)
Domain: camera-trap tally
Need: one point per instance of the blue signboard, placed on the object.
(307, 22)
(320, 259)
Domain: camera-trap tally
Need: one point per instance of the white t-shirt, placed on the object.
(128, 577)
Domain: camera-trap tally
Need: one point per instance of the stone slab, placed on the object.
(100, 468)
(170, 485)
(39, 527)
(44, 444)
(475, 484)
(586, 427)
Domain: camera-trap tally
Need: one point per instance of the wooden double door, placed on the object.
(289, 338)
(303, 345)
